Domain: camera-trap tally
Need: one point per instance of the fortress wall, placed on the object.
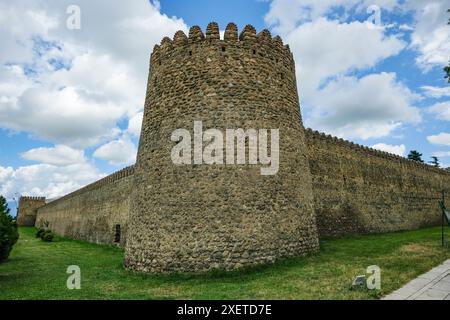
(92, 213)
(26, 213)
(361, 190)
(356, 190)
(201, 217)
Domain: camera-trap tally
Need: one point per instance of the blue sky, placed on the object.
(71, 100)
(201, 12)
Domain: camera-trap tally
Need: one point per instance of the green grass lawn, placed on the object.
(37, 270)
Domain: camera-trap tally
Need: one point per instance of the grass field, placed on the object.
(37, 270)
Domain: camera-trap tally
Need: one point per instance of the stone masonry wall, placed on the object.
(27, 211)
(93, 212)
(361, 190)
(356, 190)
(201, 217)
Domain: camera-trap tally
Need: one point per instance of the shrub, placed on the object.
(47, 236)
(8, 230)
(40, 232)
(44, 232)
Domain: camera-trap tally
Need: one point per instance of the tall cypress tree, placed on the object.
(447, 68)
(8, 230)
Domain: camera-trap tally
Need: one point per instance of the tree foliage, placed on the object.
(447, 68)
(8, 230)
(435, 161)
(415, 155)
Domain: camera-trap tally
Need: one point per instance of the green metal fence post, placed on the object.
(442, 227)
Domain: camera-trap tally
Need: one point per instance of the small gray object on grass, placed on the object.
(359, 281)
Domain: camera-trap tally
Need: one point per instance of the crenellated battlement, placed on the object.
(314, 134)
(248, 40)
(27, 210)
(30, 198)
(123, 173)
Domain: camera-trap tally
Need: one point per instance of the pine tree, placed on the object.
(8, 230)
(415, 156)
(447, 72)
(435, 161)
(3, 206)
(447, 68)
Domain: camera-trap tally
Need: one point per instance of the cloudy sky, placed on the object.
(71, 100)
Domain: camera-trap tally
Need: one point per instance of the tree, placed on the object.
(447, 68)
(435, 161)
(8, 230)
(447, 72)
(415, 156)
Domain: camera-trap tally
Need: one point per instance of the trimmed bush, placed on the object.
(44, 232)
(47, 236)
(40, 232)
(8, 230)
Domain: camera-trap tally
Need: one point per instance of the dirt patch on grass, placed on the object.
(417, 249)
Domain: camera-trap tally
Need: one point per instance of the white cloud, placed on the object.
(406, 27)
(72, 87)
(13, 83)
(65, 116)
(18, 23)
(441, 154)
(369, 107)
(431, 36)
(45, 179)
(59, 155)
(61, 170)
(81, 83)
(126, 30)
(117, 152)
(135, 123)
(395, 149)
(327, 51)
(442, 138)
(441, 110)
(324, 48)
(436, 92)
(285, 15)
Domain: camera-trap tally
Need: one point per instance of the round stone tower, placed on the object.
(193, 216)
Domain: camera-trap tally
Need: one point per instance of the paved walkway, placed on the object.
(433, 285)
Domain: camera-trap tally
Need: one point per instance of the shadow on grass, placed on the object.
(244, 273)
(343, 249)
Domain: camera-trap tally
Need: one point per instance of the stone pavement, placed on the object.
(433, 285)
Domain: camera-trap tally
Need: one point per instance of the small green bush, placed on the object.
(48, 236)
(44, 232)
(8, 230)
(40, 232)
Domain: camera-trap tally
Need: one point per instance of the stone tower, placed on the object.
(27, 210)
(197, 217)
